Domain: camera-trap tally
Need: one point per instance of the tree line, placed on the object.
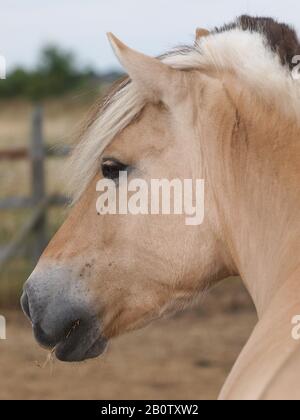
(55, 74)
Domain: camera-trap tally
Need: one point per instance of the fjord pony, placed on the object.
(225, 110)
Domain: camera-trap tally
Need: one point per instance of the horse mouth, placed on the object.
(79, 343)
(67, 353)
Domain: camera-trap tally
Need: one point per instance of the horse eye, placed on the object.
(111, 168)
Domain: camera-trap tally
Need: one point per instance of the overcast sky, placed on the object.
(151, 26)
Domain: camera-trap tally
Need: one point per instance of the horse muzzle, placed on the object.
(62, 320)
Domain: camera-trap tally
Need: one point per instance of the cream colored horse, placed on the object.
(226, 110)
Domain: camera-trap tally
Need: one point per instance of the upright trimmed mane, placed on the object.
(258, 51)
(281, 38)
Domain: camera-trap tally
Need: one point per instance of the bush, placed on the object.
(56, 73)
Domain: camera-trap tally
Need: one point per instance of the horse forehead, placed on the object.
(151, 131)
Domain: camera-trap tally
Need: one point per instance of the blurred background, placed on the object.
(58, 63)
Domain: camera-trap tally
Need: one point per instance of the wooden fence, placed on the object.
(38, 201)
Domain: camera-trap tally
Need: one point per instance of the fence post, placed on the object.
(37, 155)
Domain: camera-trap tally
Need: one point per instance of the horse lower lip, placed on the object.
(66, 353)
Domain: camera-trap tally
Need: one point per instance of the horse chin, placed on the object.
(66, 353)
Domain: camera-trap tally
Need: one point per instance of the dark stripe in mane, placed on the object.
(281, 38)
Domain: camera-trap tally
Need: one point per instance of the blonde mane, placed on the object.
(245, 53)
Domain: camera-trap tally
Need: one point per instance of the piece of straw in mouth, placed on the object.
(50, 359)
(74, 326)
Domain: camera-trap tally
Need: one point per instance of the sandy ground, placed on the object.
(187, 356)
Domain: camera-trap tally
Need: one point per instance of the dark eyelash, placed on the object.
(111, 168)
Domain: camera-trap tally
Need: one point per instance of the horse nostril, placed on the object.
(25, 305)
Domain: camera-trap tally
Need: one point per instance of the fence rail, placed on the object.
(14, 203)
(39, 201)
(23, 153)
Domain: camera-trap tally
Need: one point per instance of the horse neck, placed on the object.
(259, 196)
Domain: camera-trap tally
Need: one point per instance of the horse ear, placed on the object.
(200, 33)
(153, 77)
